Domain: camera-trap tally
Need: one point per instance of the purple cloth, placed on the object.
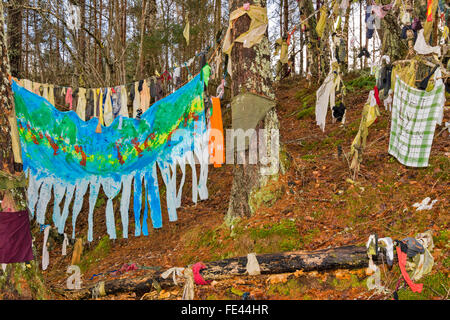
(15, 237)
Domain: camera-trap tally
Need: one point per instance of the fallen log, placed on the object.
(347, 257)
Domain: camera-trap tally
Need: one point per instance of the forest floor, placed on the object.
(314, 205)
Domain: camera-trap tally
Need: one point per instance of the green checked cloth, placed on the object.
(414, 116)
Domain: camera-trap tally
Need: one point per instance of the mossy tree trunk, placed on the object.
(312, 39)
(251, 73)
(392, 44)
(18, 280)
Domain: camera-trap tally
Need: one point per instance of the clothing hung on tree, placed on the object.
(415, 113)
(216, 136)
(81, 104)
(326, 96)
(15, 237)
(339, 111)
(421, 47)
(114, 159)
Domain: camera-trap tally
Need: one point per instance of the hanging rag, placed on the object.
(96, 93)
(81, 104)
(422, 47)
(339, 112)
(69, 98)
(384, 80)
(73, 19)
(45, 254)
(414, 116)
(326, 95)
(247, 109)
(282, 43)
(256, 31)
(320, 26)
(64, 245)
(137, 99)
(428, 25)
(28, 84)
(88, 161)
(45, 91)
(107, 107)
(15, 237)
(369, 115)
(186, 31)
(216, 136)
(51, 94)
(37, 88)
(388, 101)
(145, 96)
(123, 98)
(381, 11)
(370, 22)
(89, 113)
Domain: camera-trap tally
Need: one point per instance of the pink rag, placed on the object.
(69, 97)
(247, 6)
(381, 11)
(197, 276)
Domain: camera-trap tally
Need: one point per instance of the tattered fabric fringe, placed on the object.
(40, 190)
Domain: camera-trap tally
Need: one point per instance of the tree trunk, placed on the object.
(345, 37)
(313, 39)
(251, 73)
(15, 37)
(285, 31)
(18, 281)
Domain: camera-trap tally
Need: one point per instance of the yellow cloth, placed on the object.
(186, 32)
(145, 97)
(95, 94)
(108, 112)
(36, 88)
(320, 27)
(100, 106)
(407, 73)
(256, 31)
(81, 104)
(369, 115)
(284, 50)
(51, 94)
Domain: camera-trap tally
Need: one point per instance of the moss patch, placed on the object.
(100, 251)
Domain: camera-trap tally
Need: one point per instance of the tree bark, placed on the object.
(15, 18)
(312, 39)
(251, 73)
(18, 281)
